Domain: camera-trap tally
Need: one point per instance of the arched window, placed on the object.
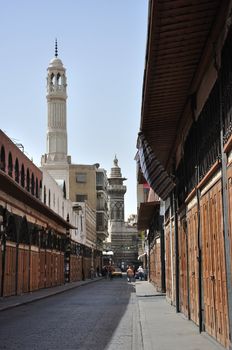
(22, 176)
(40, 190)
(53, 79)
(36, 188)
(58, 79)
(49, 198)
(64, 190)
(32, 184)
(44, 194)
(24, 234)
(28, 180)
(10, 164)
(63, 209)
(3, 159)
(17, 170)
(11, 229)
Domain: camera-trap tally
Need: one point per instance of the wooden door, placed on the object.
(183, 269)
(168, 272)
(213, 265)
(192, 227)
(229, 174)
(10, 269)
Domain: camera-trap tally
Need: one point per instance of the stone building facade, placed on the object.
(122, 240)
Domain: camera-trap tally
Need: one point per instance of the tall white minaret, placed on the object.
(56, 102)
(56, 159)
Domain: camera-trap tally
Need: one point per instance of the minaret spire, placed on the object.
(56, 48)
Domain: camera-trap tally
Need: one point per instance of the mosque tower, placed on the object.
(56, 161)
(116, 192)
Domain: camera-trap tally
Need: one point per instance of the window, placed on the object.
(32, 184)
(2, 159)
(22, 176)
(100, 179)
(17, 170)
(81, 197)
(81, 177)
(100, 222)
(10, 165)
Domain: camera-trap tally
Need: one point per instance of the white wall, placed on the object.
(62, 206)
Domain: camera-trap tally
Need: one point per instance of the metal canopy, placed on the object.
(154, 173)
(180, 43)
(146, 212)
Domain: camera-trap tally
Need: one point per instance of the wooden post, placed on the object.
(67, 254)
(176, 252)
(225, 213)
(162, 255)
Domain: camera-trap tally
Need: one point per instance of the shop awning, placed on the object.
(153, 171)
(140, 257)
(146, 213)
(180, 46)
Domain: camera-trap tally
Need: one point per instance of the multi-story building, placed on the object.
(88, 188)
(33, 236)
(82, 183)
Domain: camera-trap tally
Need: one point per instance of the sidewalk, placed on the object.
(14, 301)
(164, 329)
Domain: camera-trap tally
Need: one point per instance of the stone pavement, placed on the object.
(164, 329)
(154, 324)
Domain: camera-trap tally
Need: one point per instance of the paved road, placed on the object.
(96, 316)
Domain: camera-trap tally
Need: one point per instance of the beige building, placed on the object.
(88, 188)
(82, 184)
(82, 192)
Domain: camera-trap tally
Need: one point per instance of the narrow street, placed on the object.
(89, 317)
(98, 315)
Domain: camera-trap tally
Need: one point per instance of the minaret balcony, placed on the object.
(56, 89)
(116, 188)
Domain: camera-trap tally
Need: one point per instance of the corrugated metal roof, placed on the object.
(181, 35)
(145, 214)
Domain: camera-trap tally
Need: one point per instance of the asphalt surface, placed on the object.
(81, 318)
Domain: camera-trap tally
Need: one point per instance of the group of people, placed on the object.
(94, 274)
(107, 271)
(131, 273)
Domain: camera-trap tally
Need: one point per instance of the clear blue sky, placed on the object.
(102, 46)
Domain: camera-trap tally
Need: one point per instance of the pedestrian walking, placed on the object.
(110, 270)
(141, 273)
(130, 274)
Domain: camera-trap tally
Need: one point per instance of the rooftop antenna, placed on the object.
(56, 49)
